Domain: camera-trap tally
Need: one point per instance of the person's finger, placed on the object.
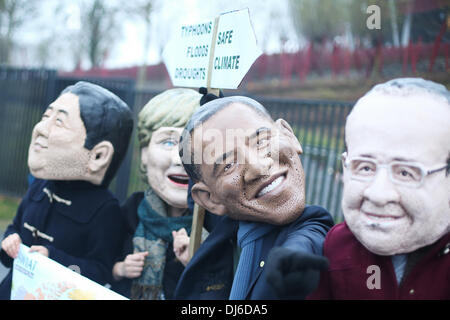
(13, 245)
(7, 248)
(134, 260)
(6, 245)
(16, 248)
(138, 256)
(130, 269)
(176, 243)
(182, 232)
(141, 255)
(40, 249)
(181, 241)
(35, 249)
(134, 263)
(134, 275)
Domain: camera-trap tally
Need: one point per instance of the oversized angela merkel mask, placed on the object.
(160, 125)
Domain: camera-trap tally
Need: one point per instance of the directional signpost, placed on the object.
(216, 54)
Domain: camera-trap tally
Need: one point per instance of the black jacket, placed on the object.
(84, 221)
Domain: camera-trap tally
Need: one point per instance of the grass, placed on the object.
(8, 208)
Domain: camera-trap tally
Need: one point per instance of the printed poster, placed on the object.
(36, 277)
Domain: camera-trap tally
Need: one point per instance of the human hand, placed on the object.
(294, 274)
(41, 249)
(181, 245)
(131, 267)
(11, 245)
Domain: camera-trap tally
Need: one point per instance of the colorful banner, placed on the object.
(36, 277)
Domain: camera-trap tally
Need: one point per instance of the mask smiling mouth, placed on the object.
(390, 212)
(377, 216)
(179, 179)
(271, 184)
(40, 143)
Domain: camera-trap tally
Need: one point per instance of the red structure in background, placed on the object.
(297, 66)
(324, 59)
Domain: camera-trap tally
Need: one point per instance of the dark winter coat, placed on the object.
(209, 275)
(82, 220)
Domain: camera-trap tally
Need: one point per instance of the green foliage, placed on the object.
(319, 19)
(8, 208)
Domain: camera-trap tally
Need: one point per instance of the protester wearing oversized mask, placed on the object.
(159, 221)
(68, 214)
(246, 169)
(395, 241)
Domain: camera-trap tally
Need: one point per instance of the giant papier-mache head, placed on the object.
(83, 135)
(160, 124)
(396, 195)
(243, 163)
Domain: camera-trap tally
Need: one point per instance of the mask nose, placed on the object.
(42, 128)
(176, 160)
(381, 190)
(257, 166)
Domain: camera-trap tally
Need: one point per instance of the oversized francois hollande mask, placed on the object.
(386, 216)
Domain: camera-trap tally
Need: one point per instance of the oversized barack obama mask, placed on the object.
(243, 163)
(396, 195)
(83, 135)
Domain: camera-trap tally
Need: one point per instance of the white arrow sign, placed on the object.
(215, 53)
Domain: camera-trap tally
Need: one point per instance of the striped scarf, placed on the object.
(154, 234)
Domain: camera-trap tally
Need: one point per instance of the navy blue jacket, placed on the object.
(209, 275)
(87, 233)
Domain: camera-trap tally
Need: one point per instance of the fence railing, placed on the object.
(24, 95)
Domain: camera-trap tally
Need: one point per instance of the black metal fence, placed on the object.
(25, 93)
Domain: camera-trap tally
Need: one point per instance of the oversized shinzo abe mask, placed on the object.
(83, 135)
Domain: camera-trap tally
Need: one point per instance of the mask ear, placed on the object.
(202, 196)
(286, 130)
(100, 157)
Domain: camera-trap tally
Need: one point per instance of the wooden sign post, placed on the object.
(215, 53)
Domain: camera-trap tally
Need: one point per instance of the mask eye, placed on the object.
(262, 142)
(169, 143)
(406, 173)
(228, 167)
(363, 167)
